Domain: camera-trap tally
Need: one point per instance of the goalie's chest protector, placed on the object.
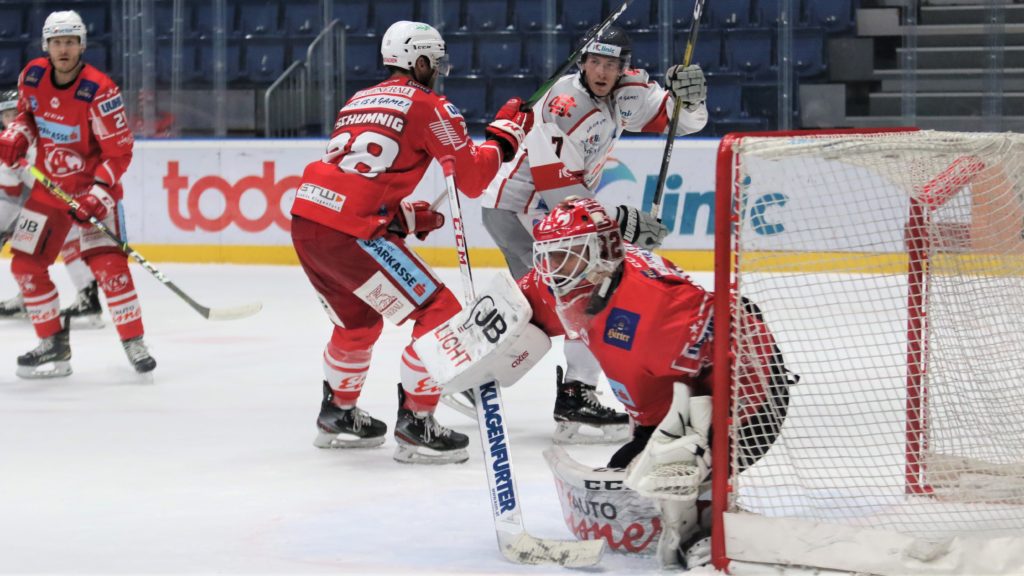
(655, 330)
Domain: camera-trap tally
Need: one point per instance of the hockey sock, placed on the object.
(114, 278)
(421, 391)
(581, 366)
(345, 370)
(41, 299)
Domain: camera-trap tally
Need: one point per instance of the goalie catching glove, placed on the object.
(640, 228)
(687, 83)
(510, 127)
(416, 218)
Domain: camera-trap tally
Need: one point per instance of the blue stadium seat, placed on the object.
(189, 68)
(353, 13)
(202, 23)
(362, 56)
(724, 97)
(387, 12)
(727, 126)
(761, 100)
(11, 62)
(833, 15)
(580, 16)
(504, 88)
(638, 16)
(258, 17)
(12, 22)
(749, 50)
(809, 52)
(730, 13)
(302, 18)
(205, 60)
(645, 51)
(451, 18)
(487, 15)
(97, 54)
(265, 59)
(707, 53)
(96, 17)
(534, 60)
(460, 48)
(768, 12)
(164, 20)
(529, 15)
(469, 95)
(500, 54)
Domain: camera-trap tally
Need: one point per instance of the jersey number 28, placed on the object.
(368, 154)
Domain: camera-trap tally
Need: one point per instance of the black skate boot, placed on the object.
(138, 355)
(421, 440)
(86, 310)
(346, 427)
(13, 308)
(54, 350)
(576, 405)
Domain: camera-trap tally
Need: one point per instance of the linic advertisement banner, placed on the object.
(239, 192)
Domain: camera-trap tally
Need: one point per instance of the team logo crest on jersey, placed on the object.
(620, 328)
(452, 110)
(86, 91)
(55, 102)
(111, 105)
(61, 162)
(33, 76)
(562, 105)
(33, 103)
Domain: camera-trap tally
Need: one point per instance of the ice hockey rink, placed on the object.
(211, 467)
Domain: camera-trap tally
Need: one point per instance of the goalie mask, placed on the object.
(576, 247)
(405, 41)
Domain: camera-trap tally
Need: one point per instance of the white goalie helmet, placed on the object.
(405, 41)
(63, 23)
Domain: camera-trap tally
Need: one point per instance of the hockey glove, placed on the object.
(687, 83)
(14, 143)
(97, 203)
(640, 228)
(510, 127)
(416, 218)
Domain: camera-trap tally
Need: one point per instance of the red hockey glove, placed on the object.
(416, 218)
(97, 203)
(510, 127)
(14, 142)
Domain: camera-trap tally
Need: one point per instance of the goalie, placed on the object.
(650, 327)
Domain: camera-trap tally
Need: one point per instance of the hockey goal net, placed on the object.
(889, 265)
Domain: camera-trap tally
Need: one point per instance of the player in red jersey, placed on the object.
(75, 116)
(349, 221)
(651, 329)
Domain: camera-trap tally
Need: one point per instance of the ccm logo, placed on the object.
(267, 185)
(522, 357)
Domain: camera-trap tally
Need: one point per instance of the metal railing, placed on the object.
(325, 73)
(284, 104)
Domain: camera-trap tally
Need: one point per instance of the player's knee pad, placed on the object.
(492, 340)
(348, 340)
(29, 272)
(111, 271)
(437, 311)
(597, 505)
(763, 387)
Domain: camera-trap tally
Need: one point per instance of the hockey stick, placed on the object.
(231, 313)
(691, 42)
(515, 543)
(574, 56)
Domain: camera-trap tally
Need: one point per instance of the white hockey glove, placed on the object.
(677, 458)
(687, 83)
(640, 228)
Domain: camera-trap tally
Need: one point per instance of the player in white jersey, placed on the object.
(15, 184)
(577, 124)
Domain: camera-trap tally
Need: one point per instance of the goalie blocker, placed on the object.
(491, 340)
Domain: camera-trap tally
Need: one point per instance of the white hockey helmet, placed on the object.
(63, 23)
(405, 41)
(8, 100)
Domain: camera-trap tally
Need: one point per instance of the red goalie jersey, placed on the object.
(384, 139)
(81, 130)
(655, 330)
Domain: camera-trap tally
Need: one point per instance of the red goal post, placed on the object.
(889, 266)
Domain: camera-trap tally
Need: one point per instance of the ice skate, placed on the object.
(581, 419)
(54, 351)
(86, 311)
(138, 355)
(13, 308)
(421, 440)
(346, 427)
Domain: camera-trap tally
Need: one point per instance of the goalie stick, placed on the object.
(516, 544)
(229, 313)
(691, 42)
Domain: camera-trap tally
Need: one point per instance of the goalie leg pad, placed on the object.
(491, 340)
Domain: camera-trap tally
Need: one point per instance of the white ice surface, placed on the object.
(211, 467)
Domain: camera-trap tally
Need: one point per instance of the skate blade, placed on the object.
(579, 433)
(87, 322)
(411, 454)
(344, 441)
(58, 369)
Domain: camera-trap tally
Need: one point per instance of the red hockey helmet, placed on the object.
(576, 245)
